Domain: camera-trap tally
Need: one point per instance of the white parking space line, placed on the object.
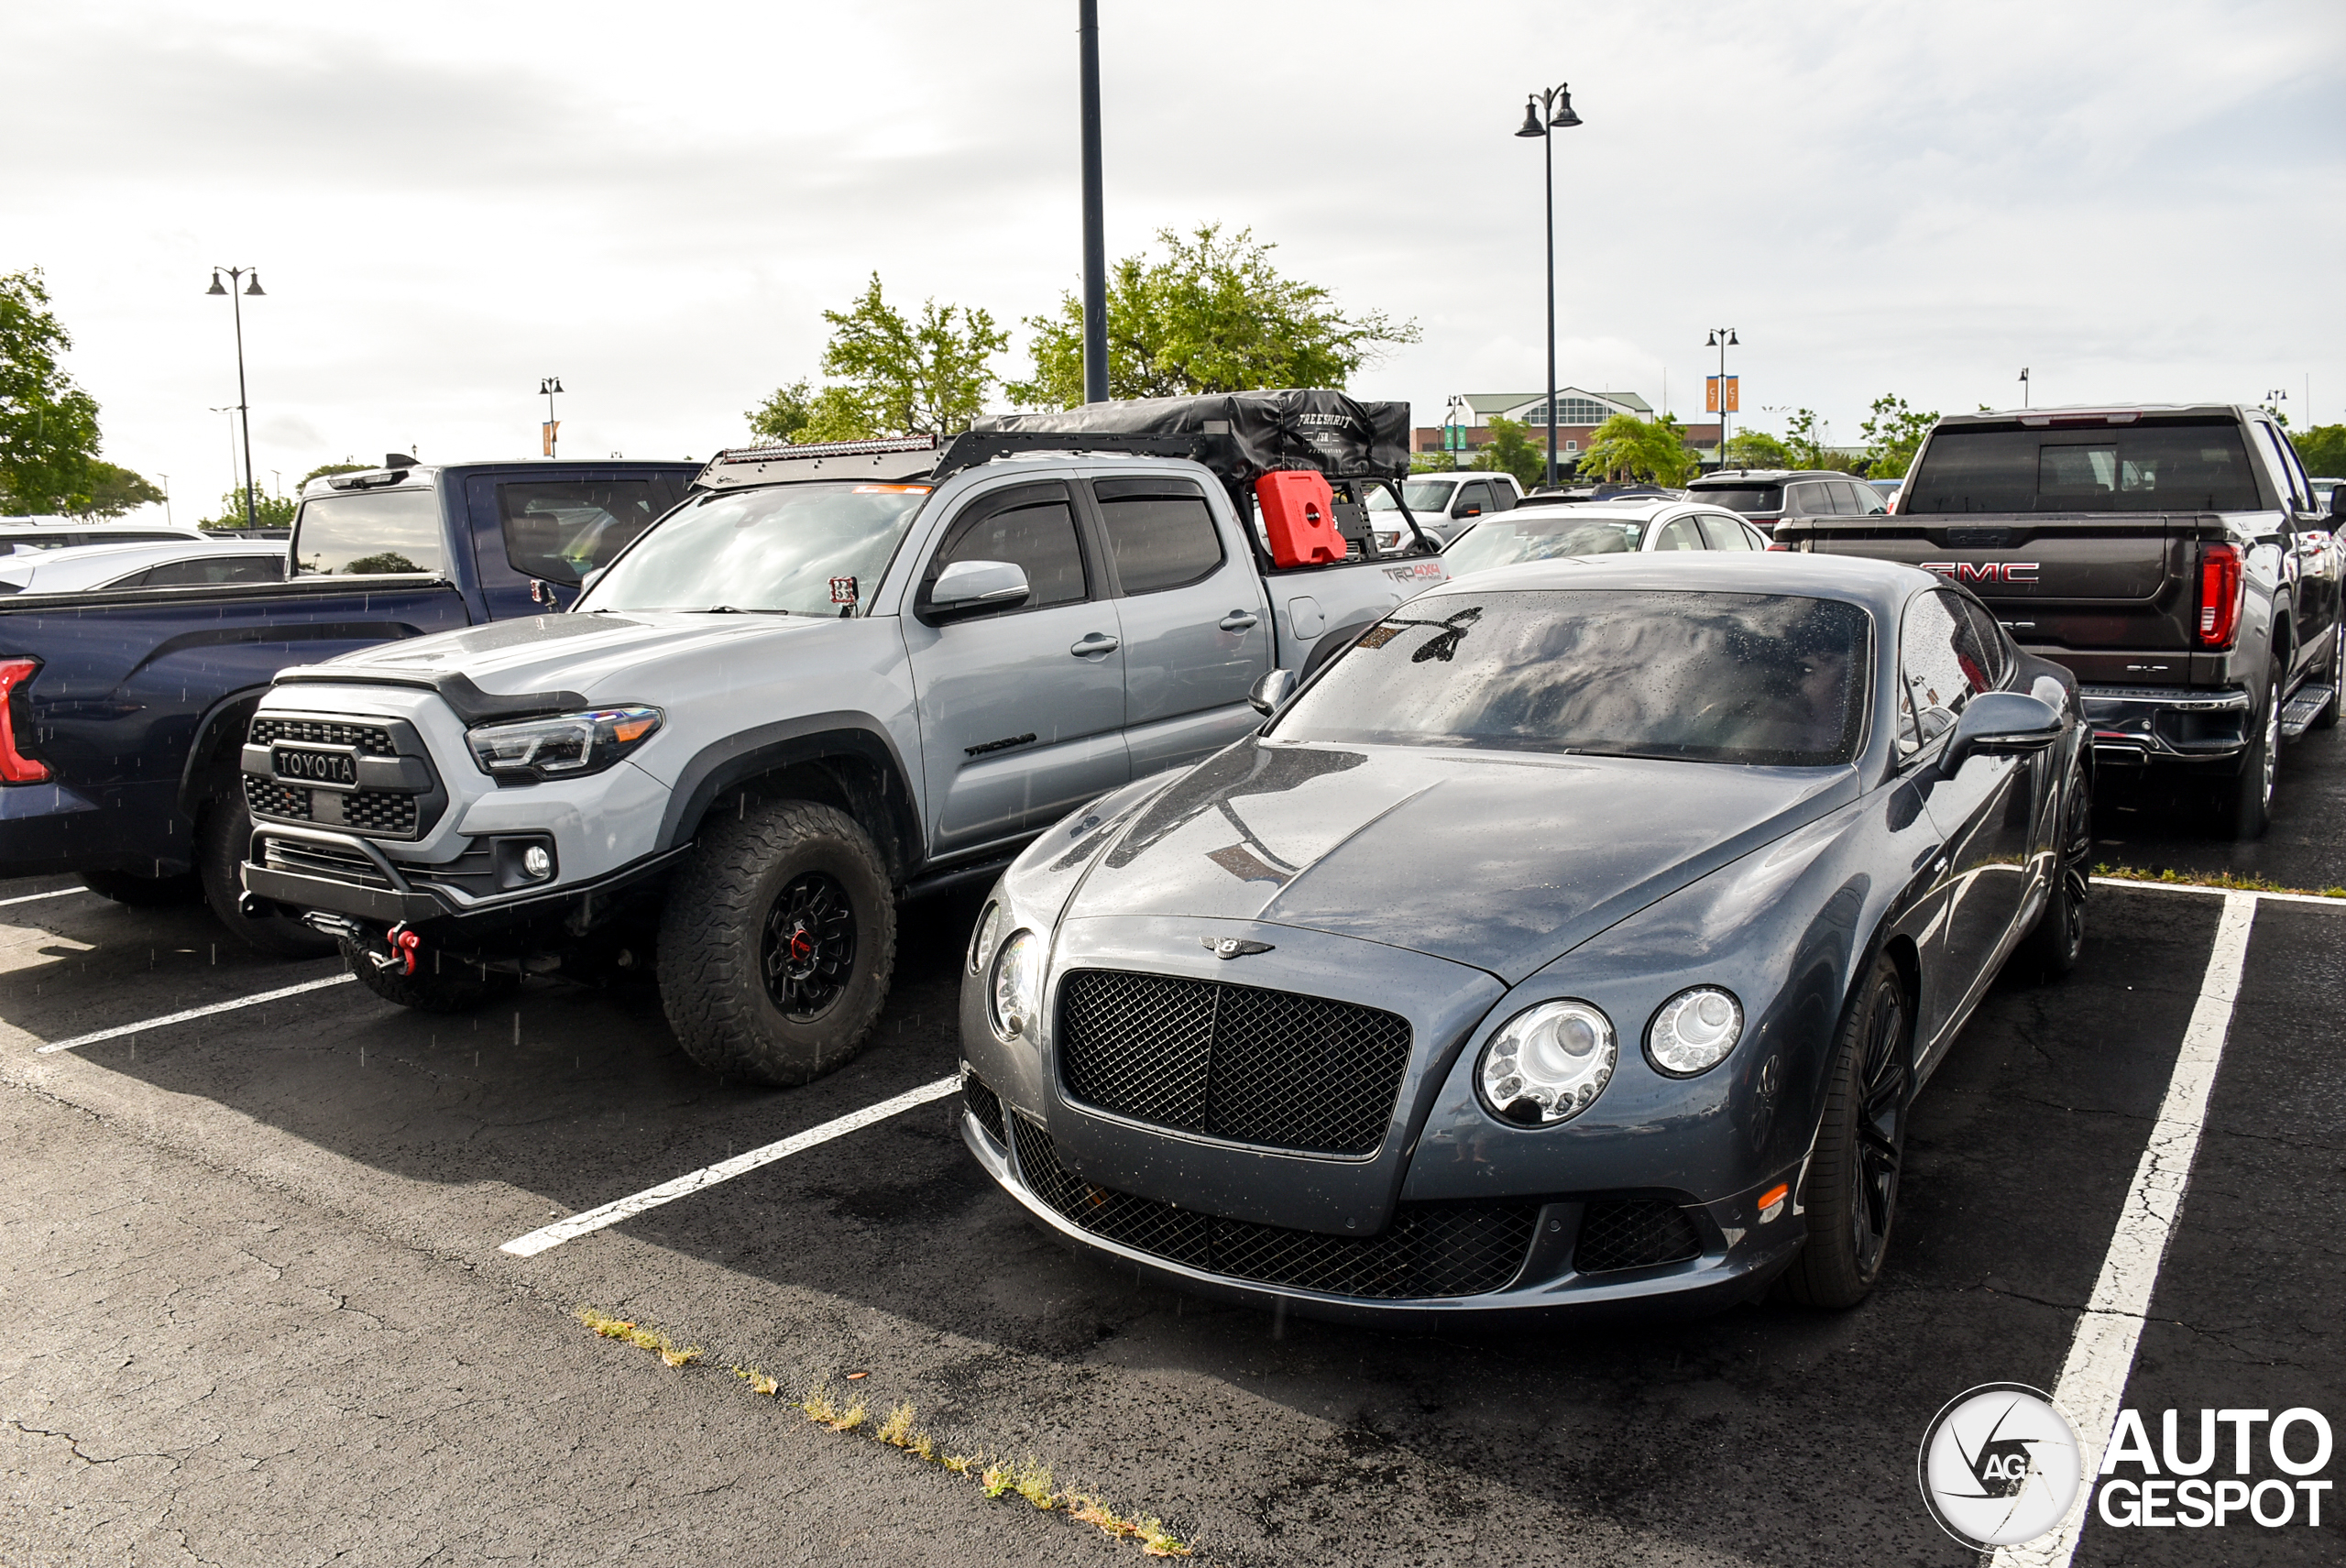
(2144, 884)
(36, 897)
(2101, 1356)
(620, 1209)
(170, 1018)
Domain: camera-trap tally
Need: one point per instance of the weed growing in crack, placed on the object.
(638, 1335)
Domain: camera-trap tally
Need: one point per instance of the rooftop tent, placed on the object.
(1294, 428)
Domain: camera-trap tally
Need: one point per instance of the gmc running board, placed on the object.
(2300, 712)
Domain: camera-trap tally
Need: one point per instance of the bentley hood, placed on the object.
(1501, 859)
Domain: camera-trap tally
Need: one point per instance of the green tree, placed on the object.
(1214, 315)
(1628, 447)
(924, 377)
(114, 491)
(48, 426)
(1756, 449)
(1512, 451)
(797, 414)
(269, 511)
(2322, 450)
(1892, 431)
(323, 471)
(1804, 442)
(896, 375)
(1434, 463)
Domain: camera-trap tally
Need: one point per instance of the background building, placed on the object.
(1578, 413)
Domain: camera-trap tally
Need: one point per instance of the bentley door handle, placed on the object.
(1239, 620)
(1097, 642)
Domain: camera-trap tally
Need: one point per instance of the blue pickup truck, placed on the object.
(123, 713)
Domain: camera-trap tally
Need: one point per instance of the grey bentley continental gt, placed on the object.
(1577, 940)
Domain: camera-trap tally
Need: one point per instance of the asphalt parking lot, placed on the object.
(258, 1308)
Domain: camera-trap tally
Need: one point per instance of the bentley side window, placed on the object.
(1941, 667)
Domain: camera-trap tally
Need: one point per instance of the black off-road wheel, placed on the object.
(221, 840)
(1851, 1193)
(2052, 946)
(440, 983)
(777, 944)
(145, 892)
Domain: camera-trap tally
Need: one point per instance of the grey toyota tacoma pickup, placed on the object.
(2176, 558)
(833, 677)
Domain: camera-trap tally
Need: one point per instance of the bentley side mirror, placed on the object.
(1271, 692)
(973, 587)
(2000, 724)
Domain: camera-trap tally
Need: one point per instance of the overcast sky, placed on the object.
(447, 201)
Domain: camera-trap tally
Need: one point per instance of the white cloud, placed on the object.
(449, 201)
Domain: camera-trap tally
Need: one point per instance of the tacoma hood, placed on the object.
(591, 655)
(1501, 860)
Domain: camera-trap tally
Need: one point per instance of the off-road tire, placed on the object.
(2051, 948)
(2248, 799)
(440, 983)
(713, 941)
(145, 892)
(2327, 718)
(221, 840)
(1833, 1268)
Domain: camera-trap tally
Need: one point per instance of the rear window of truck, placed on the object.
(2175, 466)
(358, 535)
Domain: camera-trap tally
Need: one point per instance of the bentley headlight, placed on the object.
(1018, 984)
(1695, 1031)
(565, 746)
(982, 939)
(1548, 1064)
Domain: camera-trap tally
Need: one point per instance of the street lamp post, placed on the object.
(1095, 239)
(1546, 112)
(547, 386)
(243, 405)
(1723, 339)
(2024, 386)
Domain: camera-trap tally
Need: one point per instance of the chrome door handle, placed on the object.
(1098, 642)
(1238, 620)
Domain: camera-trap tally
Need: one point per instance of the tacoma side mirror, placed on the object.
(1271, 691)
(2000, 724)
(973, 587)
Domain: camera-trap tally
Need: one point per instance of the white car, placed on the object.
(19, 535)
(1543, 531)
(172, 562)
(1445, 505)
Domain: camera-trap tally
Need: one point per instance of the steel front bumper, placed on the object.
(2134, 725)
(391, 895)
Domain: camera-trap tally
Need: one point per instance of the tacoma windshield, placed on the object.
(1529, 534)
(791, 549)
(1764, 679)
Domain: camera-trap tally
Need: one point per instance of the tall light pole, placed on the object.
(1095, 238)
(1723, 339)
(547, 386)
(1546, 112)
(243, 405)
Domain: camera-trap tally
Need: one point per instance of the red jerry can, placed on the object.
(1299, 515)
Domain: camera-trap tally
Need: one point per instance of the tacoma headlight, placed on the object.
(1548, 1063)
(1017, 982)
(982, 939)
(565, 746)
(1695, 1030)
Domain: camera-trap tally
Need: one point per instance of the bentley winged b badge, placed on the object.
(1232, 948)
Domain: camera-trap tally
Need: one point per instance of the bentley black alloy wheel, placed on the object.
(1851, 1193)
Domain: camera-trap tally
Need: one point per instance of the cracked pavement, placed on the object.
(257, 1314)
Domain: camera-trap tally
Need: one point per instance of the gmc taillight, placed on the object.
(14, 766)
(2221, 589)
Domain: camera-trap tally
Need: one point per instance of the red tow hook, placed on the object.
(404, 944)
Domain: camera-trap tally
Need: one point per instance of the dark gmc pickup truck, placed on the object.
(123, 713)
(2176, 558)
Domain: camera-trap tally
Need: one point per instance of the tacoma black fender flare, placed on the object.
(724, 765)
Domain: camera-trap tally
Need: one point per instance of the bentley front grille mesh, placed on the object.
(1233, 1061)
(1429, 1250)
(985, 1105)
(1634, 1232)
